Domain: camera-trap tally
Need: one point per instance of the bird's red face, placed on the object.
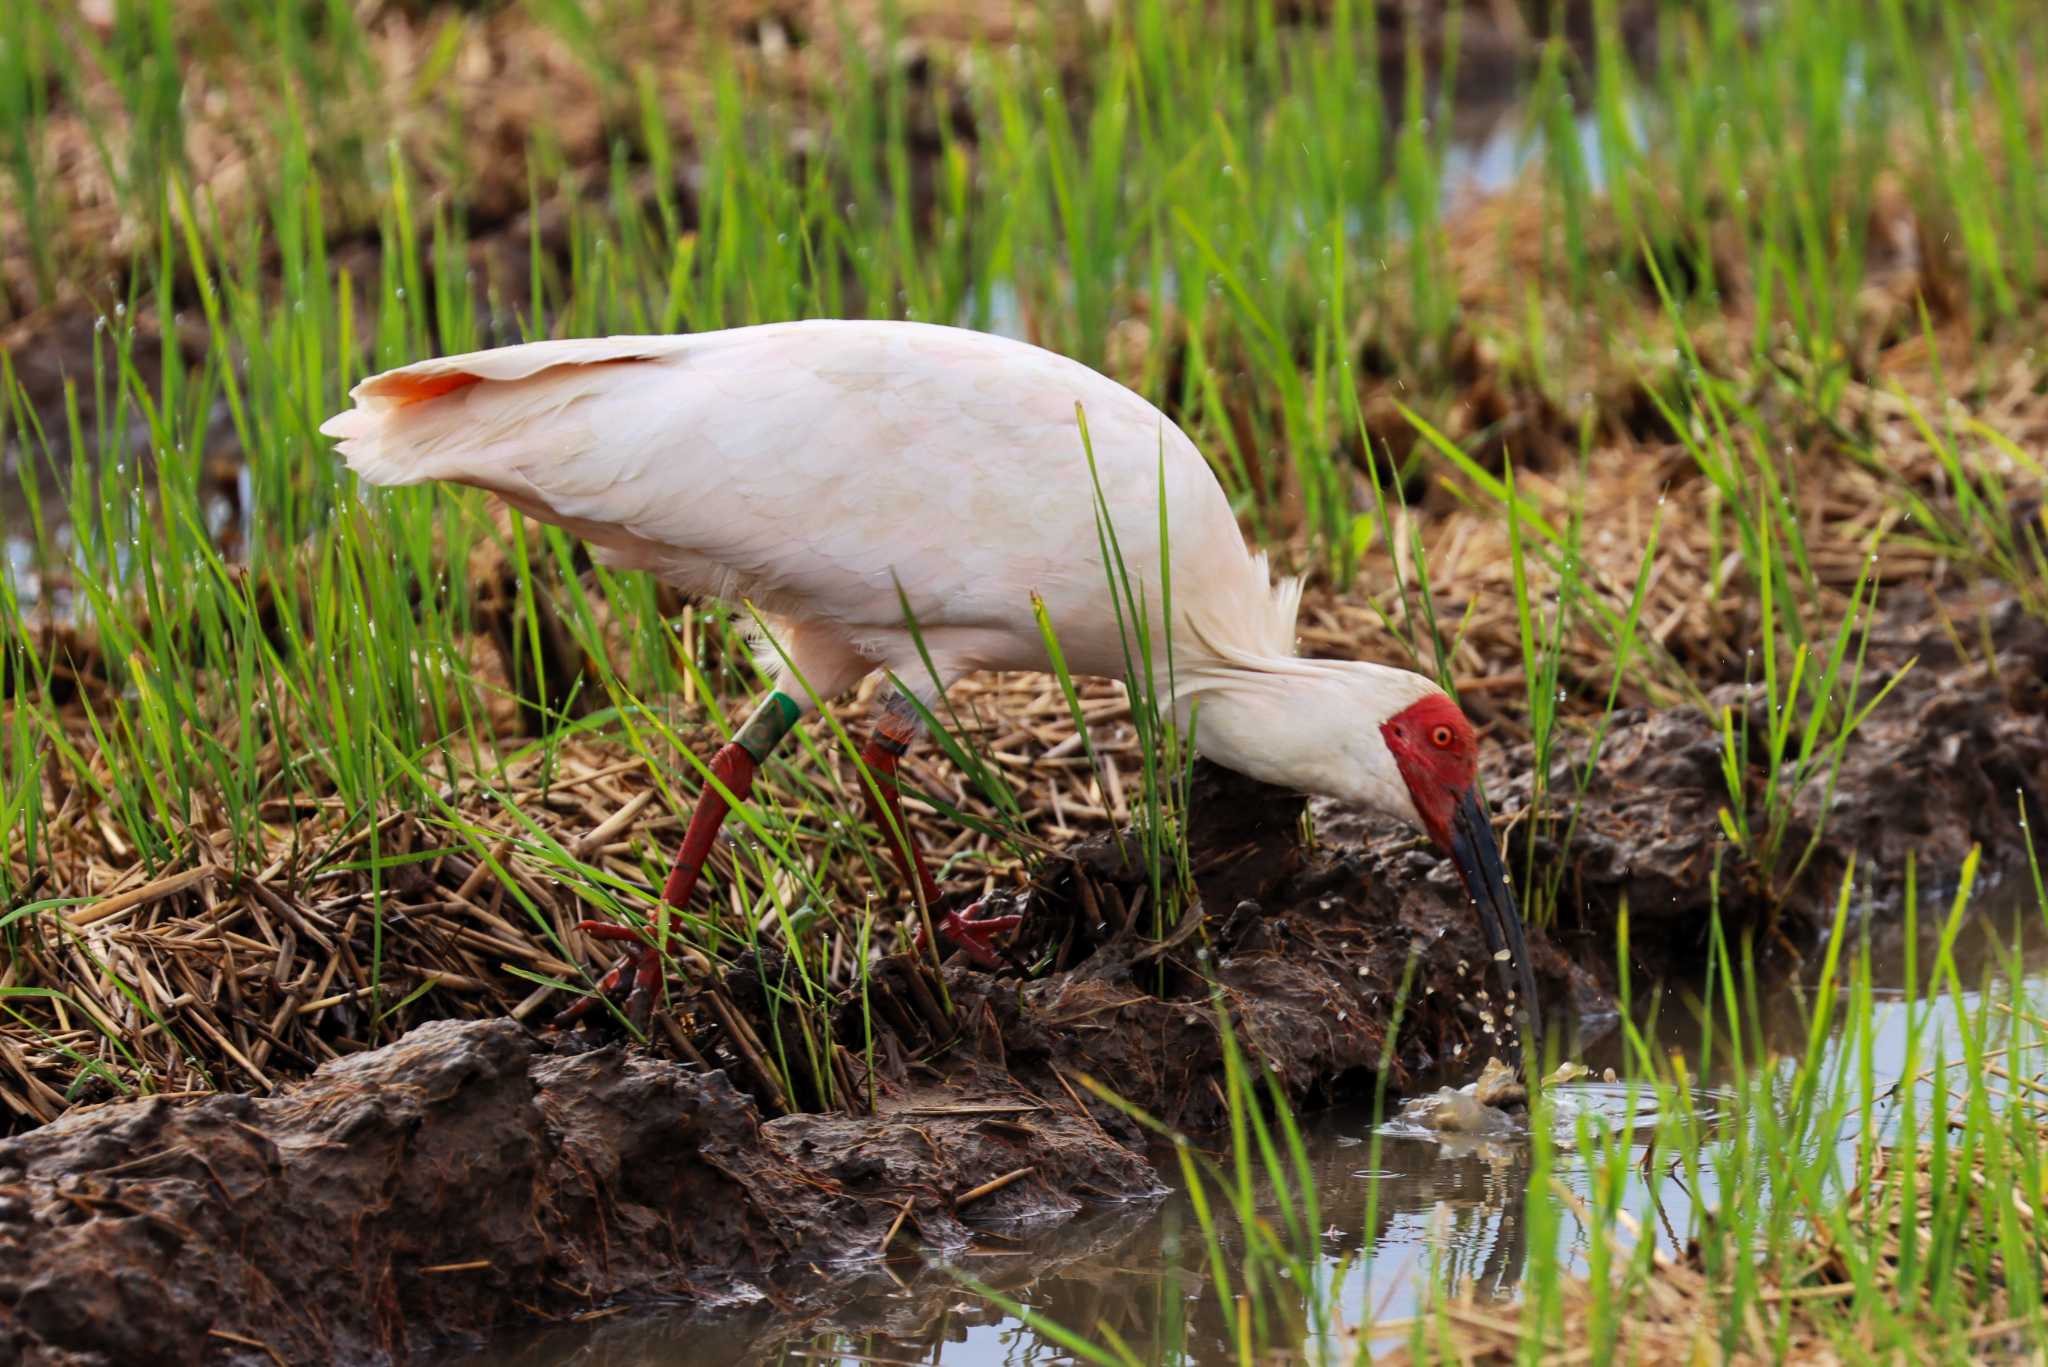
(1437, 752)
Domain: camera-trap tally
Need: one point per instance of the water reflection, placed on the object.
(1139, 1271)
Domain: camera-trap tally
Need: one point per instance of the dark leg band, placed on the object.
(898, 725)
(771, 721)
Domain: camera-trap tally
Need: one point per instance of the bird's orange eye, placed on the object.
(1441, 737)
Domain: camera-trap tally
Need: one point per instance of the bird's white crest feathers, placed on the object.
(1244, 634)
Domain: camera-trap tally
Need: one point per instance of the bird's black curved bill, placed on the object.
(1478, 860)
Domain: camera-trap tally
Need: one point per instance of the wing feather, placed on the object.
(814, 466)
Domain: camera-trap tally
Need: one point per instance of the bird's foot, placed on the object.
(975, 935)
(631, 983)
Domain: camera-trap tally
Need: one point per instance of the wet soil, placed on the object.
(1953, 758)
(1308, 948)
(470, 1174)
(474, 1173)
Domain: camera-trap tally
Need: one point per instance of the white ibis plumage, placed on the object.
(831, 473)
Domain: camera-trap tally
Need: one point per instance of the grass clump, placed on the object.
(219, 657)
(1871, 1192)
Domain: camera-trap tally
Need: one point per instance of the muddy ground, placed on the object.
(470, 1173)
(477, 1173)
(1954, 757)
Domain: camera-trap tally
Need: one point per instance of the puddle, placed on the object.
(1448, 1208)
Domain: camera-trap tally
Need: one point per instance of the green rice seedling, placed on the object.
(1805, 1151)
(29, 50)
(1812, 1181)
(1626, 646)
(1773, 549)
(1834, 710)
(1566, 182)
(1272, 1288)
(1166, 754)
(1978, 526)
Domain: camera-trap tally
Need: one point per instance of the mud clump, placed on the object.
(470, 1176)
(1310, 949)
(1450, 1111)
(1947, 762)
(467, 1175)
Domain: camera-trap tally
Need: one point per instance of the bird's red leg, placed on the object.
(636, 977)
(893, 734)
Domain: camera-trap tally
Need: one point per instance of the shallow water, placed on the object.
(1450, 1209)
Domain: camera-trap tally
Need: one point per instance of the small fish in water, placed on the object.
(1451, 1111)
(1475, 1108)
(1498, 1086)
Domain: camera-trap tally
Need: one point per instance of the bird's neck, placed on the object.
(1258, 715)
(1311, 725)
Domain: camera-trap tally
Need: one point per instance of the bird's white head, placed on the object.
(1388, 739)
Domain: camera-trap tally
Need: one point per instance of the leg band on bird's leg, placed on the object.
(770, 722)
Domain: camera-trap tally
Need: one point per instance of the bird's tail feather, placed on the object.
(1285, 610)
(402, 429)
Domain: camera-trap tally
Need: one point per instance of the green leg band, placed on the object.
(771, 721)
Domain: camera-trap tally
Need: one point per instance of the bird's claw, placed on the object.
(975, 935)
(610, 930)
(630, 984)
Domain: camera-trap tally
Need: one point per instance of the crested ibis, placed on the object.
(834, 473)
